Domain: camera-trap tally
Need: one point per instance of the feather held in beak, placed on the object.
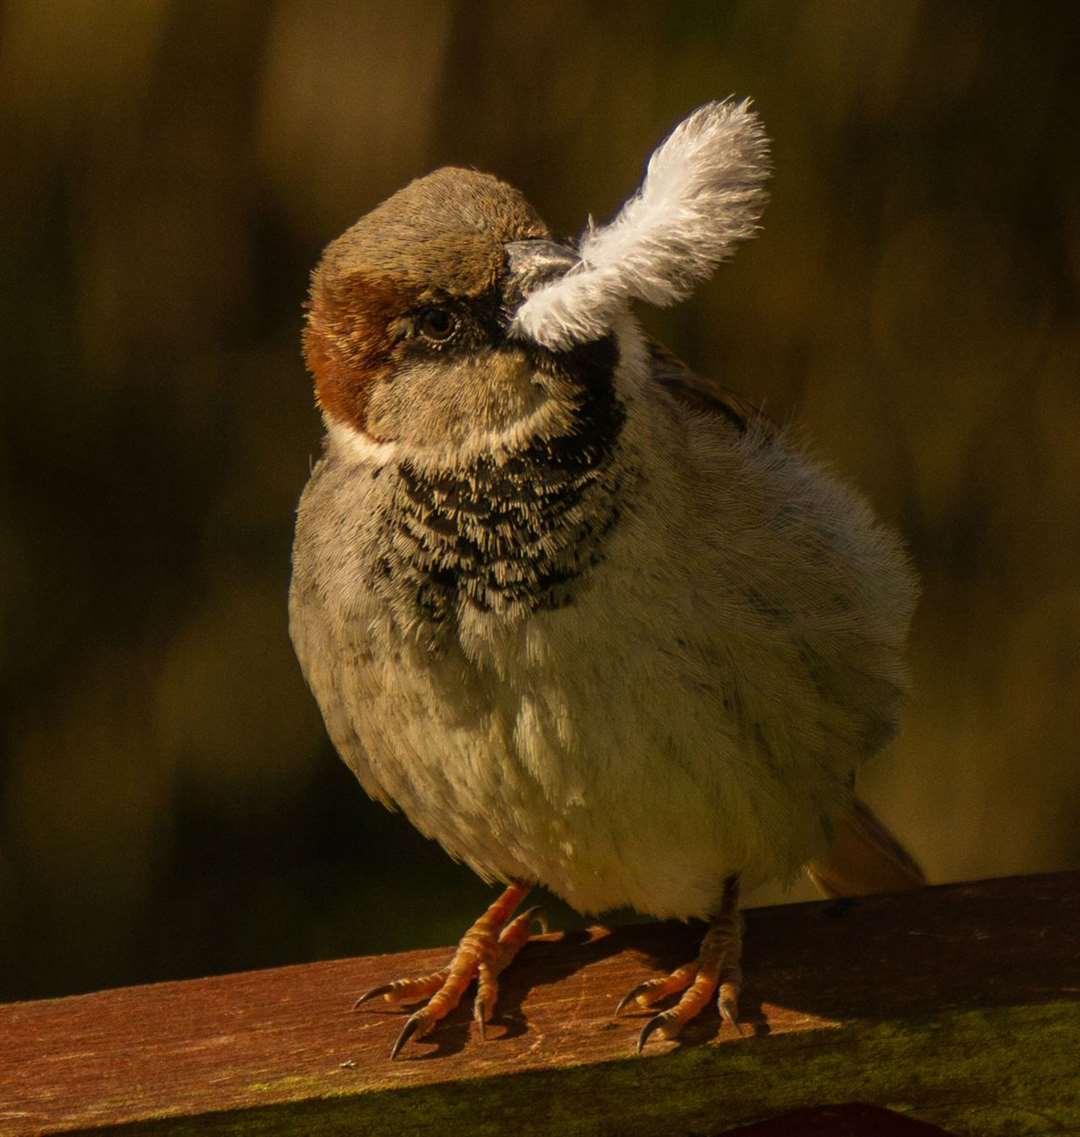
(702, 195)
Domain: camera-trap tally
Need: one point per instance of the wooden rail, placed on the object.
(958, 1005)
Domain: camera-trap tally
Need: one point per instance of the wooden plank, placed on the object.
(958, 1005)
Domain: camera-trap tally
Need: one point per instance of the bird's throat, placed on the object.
(510, 534)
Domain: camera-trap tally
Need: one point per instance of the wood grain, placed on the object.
(959, 1005)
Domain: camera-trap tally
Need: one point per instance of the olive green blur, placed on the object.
(169, 805)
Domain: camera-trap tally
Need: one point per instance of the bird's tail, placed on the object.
(864, 858)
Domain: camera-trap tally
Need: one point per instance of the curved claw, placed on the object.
(412, 1027)
(537, 915)
(630, 996)
(374, 993)
(654, 1024)
(728, 1004)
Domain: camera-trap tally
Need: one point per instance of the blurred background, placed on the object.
(169, 805)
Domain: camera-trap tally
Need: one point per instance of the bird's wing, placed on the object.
(702, 395)
(864, 858)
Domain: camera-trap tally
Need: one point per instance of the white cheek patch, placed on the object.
(702, 195)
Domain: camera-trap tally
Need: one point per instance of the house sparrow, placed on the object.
(588, 621)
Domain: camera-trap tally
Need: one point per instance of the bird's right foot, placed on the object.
(482, 954)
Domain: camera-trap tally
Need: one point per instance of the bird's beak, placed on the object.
(532, 264)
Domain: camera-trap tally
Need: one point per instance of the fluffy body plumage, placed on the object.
(585, 620)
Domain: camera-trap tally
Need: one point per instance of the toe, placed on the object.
(487, 992)
(405, 990)
(671, 1021)
(727, 1002)
(653, 990)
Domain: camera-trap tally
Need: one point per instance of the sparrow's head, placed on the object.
(447, 323)
(408, 332)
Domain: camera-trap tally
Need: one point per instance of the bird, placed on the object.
(588, 620)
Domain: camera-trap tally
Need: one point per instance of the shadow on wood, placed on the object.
(958, 1004)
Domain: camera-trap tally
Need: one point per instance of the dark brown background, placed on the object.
(171, 171)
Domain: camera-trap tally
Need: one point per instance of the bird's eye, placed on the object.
(436, 324)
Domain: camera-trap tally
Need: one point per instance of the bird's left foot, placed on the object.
(716, 970)
(482, 953)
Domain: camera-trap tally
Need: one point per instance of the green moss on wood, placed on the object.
(993, 1072)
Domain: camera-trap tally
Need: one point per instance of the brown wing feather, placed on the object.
(703, 395)
(864, 858)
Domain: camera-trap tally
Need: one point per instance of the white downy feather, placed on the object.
(703, 193)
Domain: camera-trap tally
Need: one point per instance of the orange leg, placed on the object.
(716, 970)
(483, 952)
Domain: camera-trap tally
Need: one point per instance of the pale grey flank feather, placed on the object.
(702, 195)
